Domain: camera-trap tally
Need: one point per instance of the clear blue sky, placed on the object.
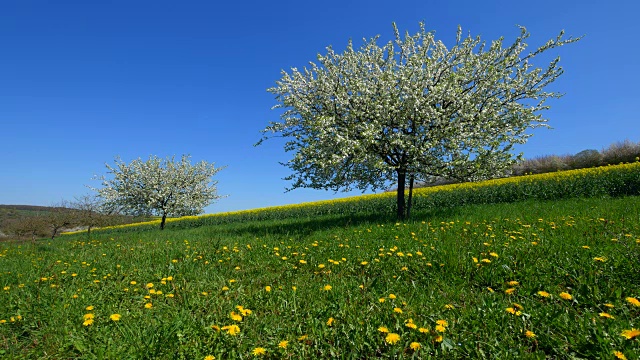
(84, 81)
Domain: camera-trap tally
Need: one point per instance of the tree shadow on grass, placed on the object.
(304, 227)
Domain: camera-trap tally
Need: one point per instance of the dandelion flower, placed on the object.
(383, 329)
(259, 351)
(397, 310)
(327, 288)
(510, 291)
(448, 306)
(148, 305)
(605, 315)
(513, 283)
(235, 317)
(232, 329)
(530, 334)
(303, 337)
(415, 346)
(381, 300)
(283, 344)
(149, 285)
(423, 330)
(88, 322)
(440, 328)
(115, 317)
(267, 288)
(442, 322)
(544, 293)
(630, 334)
(209, 357)
(633, 301)
(439, 338)
(566, 296)
(330, 321)
(619, 355)
(89, 308)
(392, 296)
(599, 258)
(392, 338)
(88, 316)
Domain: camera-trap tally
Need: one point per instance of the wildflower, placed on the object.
(267, 288)
(381, 300)
(605, 315)
(423, 330)
(493, 254)
(209, 357)
(235, 317)
(585, 247)
(530, 334)
(633, 301)
(513, 283)
(397, 310)
(330, 321)
(303, 262)
(133, 283)
(392, 338)
(149, 285)
(448, 306)
(88, 322)
(619, 355)
(440, 328)
(510, 291)
(148, 305)
(89, 308)
(610, 306)
(442, 322)
(364, 263)
(392, 296)
(327, 288)
(259, 351)
(88, 316)
(544, 293)
(231, 329)
(283, 344)
(6, 288)
(439, 338)
(599, 258)
(415, 346)
(411, 325)
(225, 288)
(566, 296)
(115, 317)
(383, 329)
(486, 261)
(321, 266)
(303, 337)
(630, 334)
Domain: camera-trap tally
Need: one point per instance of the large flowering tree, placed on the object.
(410, 110)
(162, 187)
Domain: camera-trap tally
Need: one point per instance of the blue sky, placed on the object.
(84, 81)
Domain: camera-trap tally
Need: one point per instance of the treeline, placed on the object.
(18, 222)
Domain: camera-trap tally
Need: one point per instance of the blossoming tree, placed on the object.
(410, 110)
(162, 187)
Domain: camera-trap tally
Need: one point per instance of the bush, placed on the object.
(621, 152)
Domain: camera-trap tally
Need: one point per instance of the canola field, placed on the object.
(529, 279)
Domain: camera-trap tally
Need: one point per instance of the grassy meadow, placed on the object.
(530, 279)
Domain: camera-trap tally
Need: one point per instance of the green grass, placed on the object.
(426, 263)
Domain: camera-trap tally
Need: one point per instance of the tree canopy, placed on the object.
(410, 110)
(162, 187)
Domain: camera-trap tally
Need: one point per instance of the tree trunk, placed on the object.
(409, 201)
(164, 218)
(402, 177)
(89, 232)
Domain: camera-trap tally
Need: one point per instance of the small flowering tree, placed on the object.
(411, 110)
(162, 187)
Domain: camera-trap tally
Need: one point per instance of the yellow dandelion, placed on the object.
(330, 321)
(423, 330)
(392, 296)
(513, 283)
(544, 293)
(321, 266)
(510, 291)
(259, 351)
(364, 263)
(283, 344)
(133, 283)
(493, 254)
(440, 328)
(415, 346)
(397, 310)
(235, 317)
(303, 337)
(225, 288)
(606, 315)
(381, 300)
(303, 262)
(633, 301)
(411, 325)
(209, 357)
(148, 305)
(610, 306)
(530, 334)
(566, 296)
(442, 322)
(600, 258)
(439, 338)
(232, 329)
(88, 322)
(383, 329)
(149, 285)
(267, 288)
(392, 338)
(448, 306)
(88, 316)
(630, 334)
(89, 308)
(115, 317)
(327, 288)
(619, 355)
